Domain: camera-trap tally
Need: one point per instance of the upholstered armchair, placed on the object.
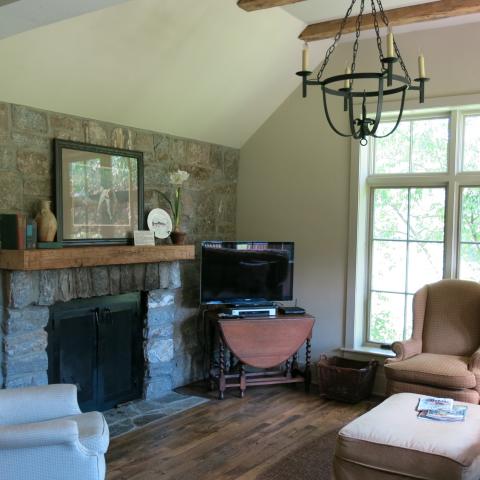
(45, 436)
(443, 356)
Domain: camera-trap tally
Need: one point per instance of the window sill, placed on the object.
(379, 352)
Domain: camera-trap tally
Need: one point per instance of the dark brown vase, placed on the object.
(178, 238)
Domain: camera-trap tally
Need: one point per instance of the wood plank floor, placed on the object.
(233, 439)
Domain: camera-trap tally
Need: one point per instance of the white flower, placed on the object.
(178, 177)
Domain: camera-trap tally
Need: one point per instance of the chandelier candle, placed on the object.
(390, 44)
(356, 88)
(305, 57)
(421, 66)
(346, 83)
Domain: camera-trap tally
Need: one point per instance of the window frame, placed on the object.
(362, 184)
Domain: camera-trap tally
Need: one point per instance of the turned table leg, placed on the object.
(221, 378)
(294, 364)
(308, 373)
(243, 380)
(287, 367)
(231, 362)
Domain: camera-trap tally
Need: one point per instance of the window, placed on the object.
(407, 252)
(419, 213)
(469, 256)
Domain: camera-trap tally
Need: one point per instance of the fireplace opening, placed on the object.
(97, 344)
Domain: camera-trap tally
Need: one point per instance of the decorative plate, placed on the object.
(159, 222)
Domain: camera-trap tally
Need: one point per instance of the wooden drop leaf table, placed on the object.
(263, 343)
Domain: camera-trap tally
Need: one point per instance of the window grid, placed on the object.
(411, 120)
(408, 241)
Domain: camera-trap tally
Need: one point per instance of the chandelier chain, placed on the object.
(357, 35)
(377, 30)
(397, 51)
(335, 41)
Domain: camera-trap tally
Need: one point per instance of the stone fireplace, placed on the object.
(29, 295)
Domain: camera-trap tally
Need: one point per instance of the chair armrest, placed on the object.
(31, 435)
(474, 362)
(406, 349)
(36, 404)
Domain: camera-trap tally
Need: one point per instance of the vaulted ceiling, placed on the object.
(202, 69)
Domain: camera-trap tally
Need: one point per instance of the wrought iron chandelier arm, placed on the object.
(327, 115)
(378, 116)
(399, 118)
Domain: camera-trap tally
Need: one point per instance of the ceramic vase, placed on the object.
(46, 222)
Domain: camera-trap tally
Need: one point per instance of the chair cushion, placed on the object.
(391, 439)
(468, 395)
(448, 371)
(93, 431)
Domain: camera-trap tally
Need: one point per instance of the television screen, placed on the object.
(246, 272)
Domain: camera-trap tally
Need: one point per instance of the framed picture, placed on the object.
(99, 193)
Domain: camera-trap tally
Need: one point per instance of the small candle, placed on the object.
(348, 71)
(305, 57)
(421, 66)
(390, 45)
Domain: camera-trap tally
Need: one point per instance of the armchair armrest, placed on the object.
(406, 349)
(36, 404)
(53, 432)
(474, 362)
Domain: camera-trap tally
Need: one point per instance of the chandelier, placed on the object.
(386, 82)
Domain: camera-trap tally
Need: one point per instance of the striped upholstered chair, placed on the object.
(443, 356)
(45, 436)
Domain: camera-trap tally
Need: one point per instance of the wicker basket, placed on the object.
(346, 380)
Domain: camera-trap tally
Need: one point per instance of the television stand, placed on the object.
(269, 344)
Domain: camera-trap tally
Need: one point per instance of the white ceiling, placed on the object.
(18, 16)
(313, 11)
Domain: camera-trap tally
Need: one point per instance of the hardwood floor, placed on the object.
(233, 439)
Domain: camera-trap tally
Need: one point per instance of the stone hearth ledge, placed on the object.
(27, 297)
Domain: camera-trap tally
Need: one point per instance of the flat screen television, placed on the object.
(246, 272)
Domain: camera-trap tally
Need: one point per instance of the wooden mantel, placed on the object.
(74, 257)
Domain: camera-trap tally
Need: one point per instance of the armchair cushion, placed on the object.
(92, 431)
(448, 371)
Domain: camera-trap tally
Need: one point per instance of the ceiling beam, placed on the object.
(398, 16)
(251, 5)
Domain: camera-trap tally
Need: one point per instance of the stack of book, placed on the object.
(17, 232)
(441, 410)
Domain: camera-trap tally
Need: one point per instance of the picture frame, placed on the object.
(99, 194)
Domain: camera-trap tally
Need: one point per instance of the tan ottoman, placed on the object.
(390, 442)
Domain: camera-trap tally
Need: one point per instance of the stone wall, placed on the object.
(209, 204)
(26, 166)
(27, 297)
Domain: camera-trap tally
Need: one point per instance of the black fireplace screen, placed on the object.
(96, 344)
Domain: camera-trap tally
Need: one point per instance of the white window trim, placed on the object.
(357, 255)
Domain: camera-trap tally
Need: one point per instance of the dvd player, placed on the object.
(250, 311)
